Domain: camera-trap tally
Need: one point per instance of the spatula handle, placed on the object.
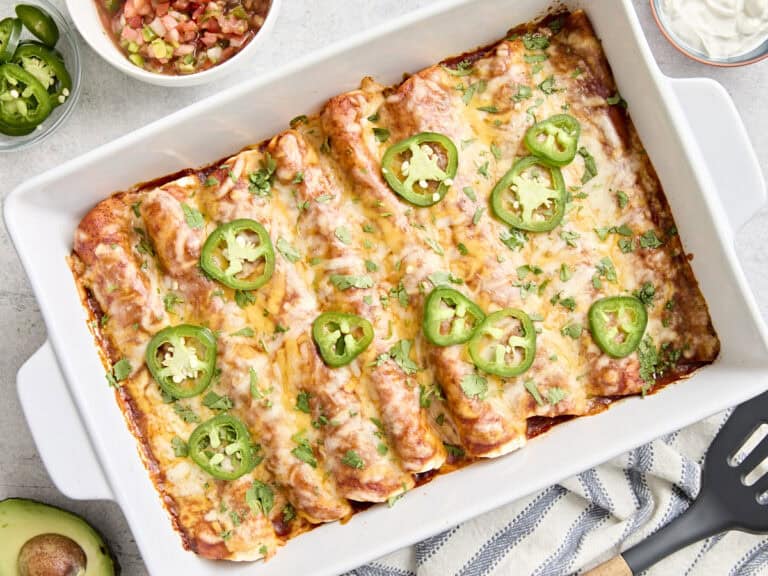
(616, 566)
(704, 518)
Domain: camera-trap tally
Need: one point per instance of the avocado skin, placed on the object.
(22, 519)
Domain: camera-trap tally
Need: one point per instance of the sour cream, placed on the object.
(718, 28)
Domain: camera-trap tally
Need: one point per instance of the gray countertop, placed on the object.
(113, 104)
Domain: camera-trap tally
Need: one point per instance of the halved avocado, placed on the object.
(41, 540)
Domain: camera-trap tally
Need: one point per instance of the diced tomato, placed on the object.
(192, 35)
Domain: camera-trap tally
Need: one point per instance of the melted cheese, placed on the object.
(329, 212)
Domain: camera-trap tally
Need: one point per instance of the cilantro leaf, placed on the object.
(590, 167)
(193, 217)
(180, 448)
(474, 386)
(353, 460)
(302, 402)
(347, 281)
(215, 402)
(260, 497)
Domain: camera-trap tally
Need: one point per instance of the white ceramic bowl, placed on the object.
(85, 15)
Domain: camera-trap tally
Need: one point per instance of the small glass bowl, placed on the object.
(759, 53)
(67, 46)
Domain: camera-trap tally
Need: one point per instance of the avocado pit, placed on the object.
(51, 555)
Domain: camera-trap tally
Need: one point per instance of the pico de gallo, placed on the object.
(182, 36)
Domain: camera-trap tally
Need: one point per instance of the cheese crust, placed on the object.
(330, 214)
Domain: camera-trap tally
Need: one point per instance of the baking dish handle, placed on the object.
(58, 432)
(725, 146)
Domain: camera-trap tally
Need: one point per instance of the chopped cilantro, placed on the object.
(400, 293)
(343, 235)
(289, 513)
(555, 395)
(470, 192)
(463, 250)
(193, 217)
(650, 240)
(298, 120)
(371, 266)
(215, 402)
(261, 180)
(535, 41)
(646, 294)
(513, 238)
(381, 134)
(590, 167)
(604, 270)
(427, 392)
(572, 330)
(401, 354)
(548, 85)
(489, 109)
(569, 237)
(244, 298)
(246, 332)
(442, 278)
(302, 401)
(288, 251)
(463, 68)
(436, 248)
(615, 100)
(525, 269)
(565, 272)
(121, 370)
(170, 300)
(474, 386)
(260, 497)
(533, 390)
(537, 59)
(622, 199)
(626, 245)
(454, 450)
(347, 281)
(185, 413)
(523, 93)
(180, 448)
(353, 460)
(303, 452)
(649, 359)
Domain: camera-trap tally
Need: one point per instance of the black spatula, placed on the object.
(725, 502)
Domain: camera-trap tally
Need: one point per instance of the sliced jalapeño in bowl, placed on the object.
(45, 65)
(10, 34)
(555, 139)
(450, 317)
(222, 446)
(39, 22)
(421, 168)
(239, 254)
(341, 337)
(504, 344)
(24, 101)
(617, 324)
(530, 196)
(182, 359)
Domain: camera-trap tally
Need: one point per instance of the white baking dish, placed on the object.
(692, 133)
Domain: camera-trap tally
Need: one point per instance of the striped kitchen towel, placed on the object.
(586, 519)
